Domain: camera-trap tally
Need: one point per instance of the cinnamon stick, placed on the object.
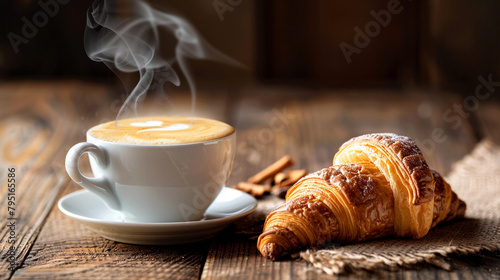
(280, 188)
(253, 189)
(280, 177)
(293, 176)
(271, 170)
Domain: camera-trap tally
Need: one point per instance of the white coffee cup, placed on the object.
(155, 183)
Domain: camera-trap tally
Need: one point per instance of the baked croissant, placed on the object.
(379, 185)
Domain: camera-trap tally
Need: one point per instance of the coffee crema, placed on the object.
(162, 130)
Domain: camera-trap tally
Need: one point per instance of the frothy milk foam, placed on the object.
(162, 130)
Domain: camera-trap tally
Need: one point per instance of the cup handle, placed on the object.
(97, 185)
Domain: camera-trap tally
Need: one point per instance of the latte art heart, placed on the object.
(177, 126)
(158, 126)
(147, 124)
(162, 130)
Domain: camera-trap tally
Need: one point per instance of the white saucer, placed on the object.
(88, 209)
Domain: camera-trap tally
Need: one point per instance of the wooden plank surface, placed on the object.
(271, 121)
(317, 127)
(67, 250)
(34, 138)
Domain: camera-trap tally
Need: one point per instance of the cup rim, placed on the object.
(208, 142)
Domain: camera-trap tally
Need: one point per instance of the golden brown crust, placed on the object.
(453, 207)
(410, 155)
(373, 197)
(462, 207)
(368, 201)
(439, 197)
(365, 197)
(404, 166)
(314, 214)
(358, 187)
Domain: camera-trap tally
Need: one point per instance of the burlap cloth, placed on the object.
(476, 180)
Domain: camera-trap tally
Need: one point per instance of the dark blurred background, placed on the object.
(439, 44)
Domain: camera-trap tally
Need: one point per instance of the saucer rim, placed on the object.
(161, 224)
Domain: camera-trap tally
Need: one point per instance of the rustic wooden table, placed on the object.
(40, 121)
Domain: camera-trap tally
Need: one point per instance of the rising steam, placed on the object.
(124, 35)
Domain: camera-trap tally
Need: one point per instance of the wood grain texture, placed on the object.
(317, 127)
(36, 130)
(67, 250)
(34, 139)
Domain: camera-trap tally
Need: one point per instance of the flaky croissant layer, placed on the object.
(379, 185)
